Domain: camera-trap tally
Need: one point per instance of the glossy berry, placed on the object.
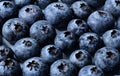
(43, 32)
(24, 48)
(81, 9)
(106, 58)
(99, 20)
(7, 9)
(91, 70)
(35, 67)
(30, 13)
(112, 6)
(14, 29)
(78, 27)
(111, 38)
(80, 58)
(65, 41)
(10, 67)
(60, 16)
(50, 53)
(62, 67)
(90, 42)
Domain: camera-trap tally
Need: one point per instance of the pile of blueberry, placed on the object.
(59, 37)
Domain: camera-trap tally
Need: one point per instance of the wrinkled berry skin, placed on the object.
(62, 67)
(7, 9)
(60, 16)
(81, 9)
(90, 42)
(14, 29)
(91, 70)
(65, 41)
(107, 58)
(111, 38)
(43, 32)
(30, 13)
(99, 20)
(35, 67)
(50, 53)
(10, 67)
(112, 6)
(78, 27)
(44, 3)
(80, 58)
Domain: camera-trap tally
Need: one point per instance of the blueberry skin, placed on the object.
(62, 67)
(107, 58)
(50, 53)
(65, 41)
(43, 32)
(95, 3)
(91, 70)
(81, 9)
(99, 20)
(10, 67)
(59, 14)
(30, 13)
(7, 9)
(69, 2)
(112, 6)
(14, 29)
(21, 3)
(44, 3)
(111, 38)
(78, 27)
(35, 67)
(5, 52)
(90, 42)
(118, 24)
(80, 58)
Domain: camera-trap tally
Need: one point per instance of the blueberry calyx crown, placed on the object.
(102, 13)
(29, 10)
(59, 6)
(110, 55)
(78, 21)
(94, 69)
(9, 63)
(114, 33)
(33, 65)
(83, 6)
(63, 67)
(45, 29)
(7, 4)
(3, 51)
(67, 34)
(52, 50)
(117, 2)
(78, 55)
(27, 43)
(18, 27)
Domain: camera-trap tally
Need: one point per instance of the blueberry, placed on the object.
(99, 20)
(118, 24)
(111, 38)
(44, 3)
(90, 42)
(21, 3)
(24, 48)
(58, 14)
(65, 41)
(96, 3)
(62, 67)
(81, 9)
(14, 29)
(10, 67)
(35, 67)
(43, 32)
(80, 58)
(30, 13)
(113, 6)
(91, 70)
(107, 58)
(7, 9)
(78, 27)
(50, 53)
